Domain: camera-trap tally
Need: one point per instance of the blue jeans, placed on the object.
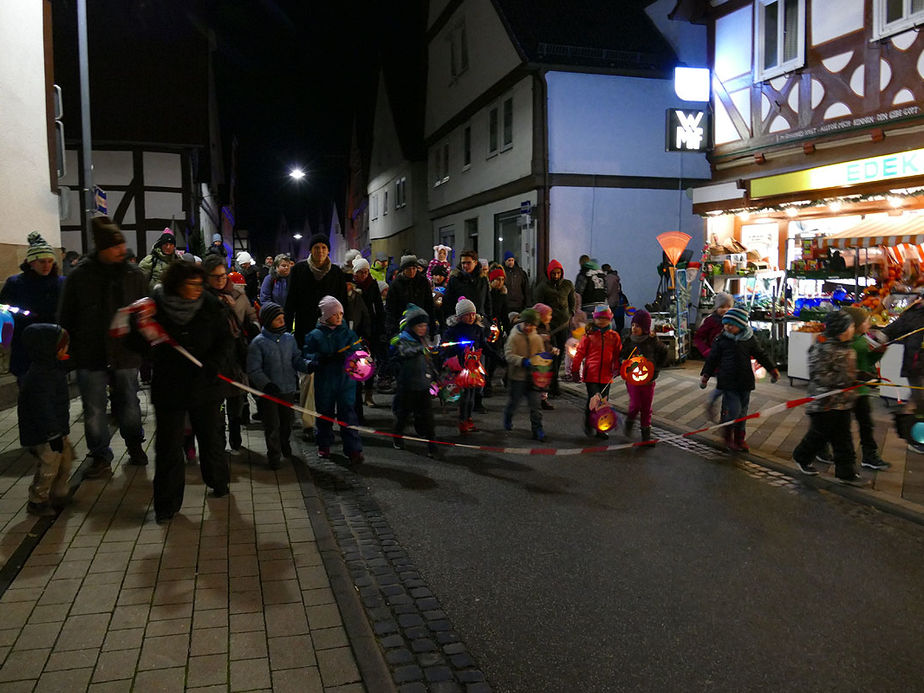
(125, 406)
(734, 406)
(518, 389)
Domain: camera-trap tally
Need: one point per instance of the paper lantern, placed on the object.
(450, 392)
(236, 278)
(494, 333)
(6, 328)
(359, 365)
(541, 370)
(603, 418)
(472, 374)
(637, 370)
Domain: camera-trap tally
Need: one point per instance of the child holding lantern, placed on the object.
(730, 361)
(462, 340)
(544, 330)
(640, 386)
(415, 375)
(599, 351)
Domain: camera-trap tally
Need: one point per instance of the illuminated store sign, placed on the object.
(687, 130)
(847, 173)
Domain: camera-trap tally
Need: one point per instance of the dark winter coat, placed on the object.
(372, 297)
(360, 321)
(414, 364)
(648, 346)
(730, 362)
(92, 294)
(37, 294)
(472, 285)
(176, 382)
(599, 350)
(832, 366)
(910, 320)
(705, 335)
(460, 332)
(519, 292)
(403, 291)
(44, 402)
(275, 358)
(591, 286)
(326, 349)
(500, 309)
(306, 292)
(251, 283)
(559, 295)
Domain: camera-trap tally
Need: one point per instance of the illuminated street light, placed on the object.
(297, 236)
(296, 174)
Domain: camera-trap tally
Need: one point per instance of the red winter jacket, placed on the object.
(599, 350)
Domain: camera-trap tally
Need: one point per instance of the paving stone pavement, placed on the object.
(232, 595)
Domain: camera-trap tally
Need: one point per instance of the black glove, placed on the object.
(210, 370)
(272, 389)
(57, 444)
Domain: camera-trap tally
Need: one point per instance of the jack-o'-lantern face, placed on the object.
(638, 370)
(603, 419)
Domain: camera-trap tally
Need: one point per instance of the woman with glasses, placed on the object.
(195, 319)
(242, 322)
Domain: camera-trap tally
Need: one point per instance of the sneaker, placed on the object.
(220, 492)
(472, 428)
(137, 455)
(875, 462)
(825, 456)
(539, 435)
(807, 468)
(100, 467)
(41, 509)
(163, 518)
(273, 464)
(397, 443)
(852, 480)
(324, 453)
(916, 447)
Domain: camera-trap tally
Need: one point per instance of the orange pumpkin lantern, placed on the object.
(637, 370)
(472, 373)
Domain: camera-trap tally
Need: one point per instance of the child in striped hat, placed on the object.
(730, 361)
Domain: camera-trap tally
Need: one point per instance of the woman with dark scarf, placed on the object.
(242, 322)
(37, 290)
(197, 321)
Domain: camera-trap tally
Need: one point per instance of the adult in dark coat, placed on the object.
(558, 293)
(519, 292)
(591, 287)
(247, 268)
(311, 280)
(36, 290)
(101, 284)
(468, 280)
(410, 286)
(197, 321)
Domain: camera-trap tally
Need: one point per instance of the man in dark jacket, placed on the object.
(519, 292)
(100, 285)
(468, 280)
(410, 286)
(591, 287)
(904, 332)
(558, 293)
(311, 280)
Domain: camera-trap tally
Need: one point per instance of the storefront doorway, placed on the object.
(515, 232)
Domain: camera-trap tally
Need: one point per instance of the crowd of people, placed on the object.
(455, 327)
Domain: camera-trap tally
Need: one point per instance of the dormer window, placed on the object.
(779, 37)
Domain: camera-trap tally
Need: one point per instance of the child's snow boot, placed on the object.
(646, 434)
(628, 425)
(740, 444)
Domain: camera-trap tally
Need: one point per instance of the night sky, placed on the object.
(291, 76)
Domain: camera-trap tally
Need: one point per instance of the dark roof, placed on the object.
(604, 34)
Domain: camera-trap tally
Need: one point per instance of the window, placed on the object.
(894, 16)
(492, 132)
(437, 165)
(779, 37)
(466, 147)
(471, 233)
(375, 207)
(401, 192)
(385, 206)
(508, 124)
(445, 162)
(458, 50)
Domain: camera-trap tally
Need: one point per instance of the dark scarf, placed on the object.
(179, 310)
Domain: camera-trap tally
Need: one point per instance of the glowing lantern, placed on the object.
(359, 365)
(759, 371)
(472, 373)
(450, 392)
(541, 370)
(6, 328)
(236, 278)
(603, 418)
(571, 347)
(637, 370)
(494, 334)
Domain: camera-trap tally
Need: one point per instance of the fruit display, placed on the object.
(811, 326)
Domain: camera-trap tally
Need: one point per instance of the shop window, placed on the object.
(779, 37)
(508, 124)
(467, 148)
(492, 132)
(894, 16)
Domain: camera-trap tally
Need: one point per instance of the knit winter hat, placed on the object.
(318, 238)
(508, 254)
(437, 248)
(329, 306)
(542, 309)
(39, 248)
(723, 299)
(642, 318)
(349, 257)
(407, 261)
(383, 286)
(837, 323)
(497, 273)
(216, 238)
(603, 311)
(858, 313)
(166, 237)
(464, 307)
(736, 316)
(244, 258)
(414, 315)
(360, 263)
(106, 234)
(553, 265)
(530, 316)
(268, 313)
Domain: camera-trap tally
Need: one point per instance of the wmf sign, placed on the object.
(687, 130)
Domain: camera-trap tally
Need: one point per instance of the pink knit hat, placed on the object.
(329, 306)
(542, 309)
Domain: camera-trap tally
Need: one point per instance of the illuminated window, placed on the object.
(779, 37)
(895, 16)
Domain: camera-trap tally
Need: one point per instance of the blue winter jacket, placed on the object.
(44, 403)
(274, 289)
(415, 366)
(274, 358)
(37, 294)
(326, 348)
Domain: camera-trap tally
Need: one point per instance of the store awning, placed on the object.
(888, 231)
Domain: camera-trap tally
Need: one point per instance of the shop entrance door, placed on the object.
(515, 232)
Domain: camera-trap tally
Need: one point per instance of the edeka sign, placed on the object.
(847, 173)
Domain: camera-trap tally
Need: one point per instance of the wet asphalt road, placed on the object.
(653, 570)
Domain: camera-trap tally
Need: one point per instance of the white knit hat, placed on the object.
(329, 306)
(360, 263)
(244, 257)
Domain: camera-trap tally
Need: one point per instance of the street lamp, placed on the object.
(297, 236)
(296, 173)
